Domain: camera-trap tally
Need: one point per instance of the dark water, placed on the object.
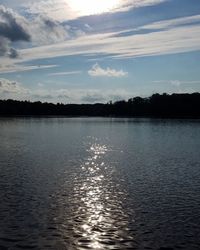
(92, 183)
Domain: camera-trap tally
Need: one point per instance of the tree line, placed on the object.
(157, 105)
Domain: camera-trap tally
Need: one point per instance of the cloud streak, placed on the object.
(158, 38)
(21, 68)
(169, 41)
(65, 73)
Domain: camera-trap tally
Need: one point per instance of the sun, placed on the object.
(92, 7)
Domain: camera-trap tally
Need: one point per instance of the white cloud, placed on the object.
(65, 73)
(96, 70)
(11, 88)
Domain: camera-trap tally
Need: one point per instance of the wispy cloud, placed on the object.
(176, 83)
(21, 68)
(168, 41)
(96, 70)
(177, 22)
(178, 86)
(159, 38)
(65, 73)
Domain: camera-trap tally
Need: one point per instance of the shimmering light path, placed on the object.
(94, 205)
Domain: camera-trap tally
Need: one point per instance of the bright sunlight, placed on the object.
(92, 7)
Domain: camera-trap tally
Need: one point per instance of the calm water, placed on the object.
(95, 183)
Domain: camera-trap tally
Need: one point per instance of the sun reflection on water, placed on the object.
(103, 222)
(91, 212)
(93, 200)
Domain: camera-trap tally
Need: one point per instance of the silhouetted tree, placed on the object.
(169, 106)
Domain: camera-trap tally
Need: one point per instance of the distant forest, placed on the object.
(163, 106)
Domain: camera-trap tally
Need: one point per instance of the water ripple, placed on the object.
(132, 185)
(96, 219)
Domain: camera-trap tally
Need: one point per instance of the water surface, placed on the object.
(99, 183)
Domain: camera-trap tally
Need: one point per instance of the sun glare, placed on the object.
(91, 7)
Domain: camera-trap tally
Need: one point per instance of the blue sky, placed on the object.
(90, 51)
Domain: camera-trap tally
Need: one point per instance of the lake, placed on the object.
(99, 183)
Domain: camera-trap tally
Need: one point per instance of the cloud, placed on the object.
(179, 86)
(94, 96)
(63, 10)
(21, 68)
(89, 95)
(40, 30)
(14, 90)
(177, 22)
(125, 5)
(54, 9)
(11, 88)
(65, 73)
(13, 28)
(176, 83)
(96, 70)
(159, 38)
(45, 31)
(184, 38)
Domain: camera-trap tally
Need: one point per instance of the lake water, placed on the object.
(99, 183)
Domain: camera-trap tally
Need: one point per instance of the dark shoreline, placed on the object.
(98, 117)
(174, 106)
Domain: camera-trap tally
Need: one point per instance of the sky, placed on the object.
(91, 51)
